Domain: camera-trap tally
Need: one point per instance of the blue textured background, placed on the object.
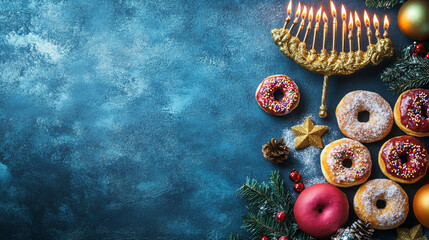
(137, 119)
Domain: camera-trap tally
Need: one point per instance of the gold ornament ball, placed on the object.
(413, 19)
(421, 205)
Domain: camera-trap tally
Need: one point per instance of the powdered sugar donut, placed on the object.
(382, 202)
(265, 95)
(336, 173)
(380, 116)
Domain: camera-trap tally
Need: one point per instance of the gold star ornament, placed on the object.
(414, 233)
(308, 134)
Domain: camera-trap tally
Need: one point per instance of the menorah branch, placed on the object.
(334, 63)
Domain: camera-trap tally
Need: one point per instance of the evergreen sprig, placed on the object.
(383, 3)
(263, 202)
(407, 72)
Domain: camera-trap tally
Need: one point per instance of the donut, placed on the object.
(380, 116)
(381, 202)
(332, 157)
(265, 95)
(321, 210)
(403, 159)
(410, 112)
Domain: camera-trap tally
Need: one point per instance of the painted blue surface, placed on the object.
(137, 119)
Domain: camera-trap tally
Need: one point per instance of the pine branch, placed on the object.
(234, 236)
(383, 3)
(256, 194)
(263, 202)
(280, 195)
(407, 72)
(260, 225)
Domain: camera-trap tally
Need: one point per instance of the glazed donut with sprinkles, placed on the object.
(403, 159)
(410, 112)
(267, 101)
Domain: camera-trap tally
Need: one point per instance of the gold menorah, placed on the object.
(343, 63)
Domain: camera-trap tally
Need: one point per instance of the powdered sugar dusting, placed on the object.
(380, 121)
(382, 189)
(308, 159)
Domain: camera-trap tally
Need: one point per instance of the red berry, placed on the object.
(419, 49)
(427, 55)
(298, 187)
(264, 238)
(283, 238)
(280, 216)
(295, 176)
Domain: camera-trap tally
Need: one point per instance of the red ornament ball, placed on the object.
(427, 55)
(283, 238)
(280, 216)
(298, 187)
(419, 49)
(264, 238)
(295, 176)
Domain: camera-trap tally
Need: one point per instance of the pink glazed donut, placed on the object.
(321, 210)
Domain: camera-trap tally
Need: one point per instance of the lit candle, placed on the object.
(316, 29)
(344, 17)
(325, 29)
(310, 19)
(368, 26)
(351, 32)
(289, 11)
(376, 26)
(386, 26)
(359, 30)
(334, 25)
(303, 15)
(297, 13)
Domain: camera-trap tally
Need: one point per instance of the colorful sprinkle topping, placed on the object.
(359, 156)
(415, 154)
(284, 84)
(416, 110)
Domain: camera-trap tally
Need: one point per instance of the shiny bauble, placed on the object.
(295, 176)
(280, 216)
(427, 55)
(413, 19)
(421, 205)
(419, 49)
(298, 187)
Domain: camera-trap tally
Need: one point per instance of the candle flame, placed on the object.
(289, 8)
(386, 23)
(351, 22)
(325, 18)
(304, 12)
(333, 10)
(310, 15)
(298, 11)
(357, 20)
(343, 12)
(376, 24)
(366, 18)
(319, 12)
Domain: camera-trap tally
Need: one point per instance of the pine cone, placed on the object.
(275, 151)
(359, 230)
